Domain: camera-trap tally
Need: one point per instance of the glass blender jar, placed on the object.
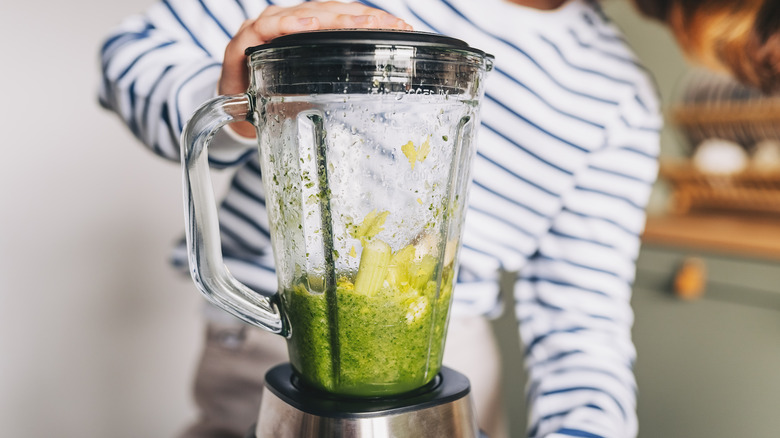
(365, 142)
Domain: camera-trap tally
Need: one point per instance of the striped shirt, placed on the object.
(566, 157)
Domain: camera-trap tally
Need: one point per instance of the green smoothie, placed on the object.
(384, 332)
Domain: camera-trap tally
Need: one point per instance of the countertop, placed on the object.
(744, 235)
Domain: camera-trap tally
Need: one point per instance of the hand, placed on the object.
(276, 21)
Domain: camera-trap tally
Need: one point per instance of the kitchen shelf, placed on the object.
(744, 235)
(751, 190)
(726, 111)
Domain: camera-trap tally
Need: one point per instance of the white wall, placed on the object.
(98, 336)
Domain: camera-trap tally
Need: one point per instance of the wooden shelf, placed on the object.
(727, 112)
(745, 235)
(749, 191)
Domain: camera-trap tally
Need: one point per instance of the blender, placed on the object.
(365, 141)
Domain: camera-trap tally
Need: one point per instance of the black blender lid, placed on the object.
(365, 37)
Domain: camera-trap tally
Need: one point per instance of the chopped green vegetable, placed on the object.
(422, 272)
(373, 267)
(414, 154)
(372, 225)
(425, 149)
(411, 153)
(398, 270)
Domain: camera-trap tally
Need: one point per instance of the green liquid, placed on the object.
(386, 343)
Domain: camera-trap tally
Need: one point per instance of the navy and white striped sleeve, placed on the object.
(157, 68)
(573, 296)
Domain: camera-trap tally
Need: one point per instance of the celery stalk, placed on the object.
(373, 266)
(398, 272)
(423, 272)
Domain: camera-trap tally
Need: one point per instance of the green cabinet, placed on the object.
(708, 367)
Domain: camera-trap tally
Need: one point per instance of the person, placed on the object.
(740, 38)
(566, 158)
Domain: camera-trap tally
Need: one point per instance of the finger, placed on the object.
(347, 21)
(268, 28)
(365, 22)
(334, 7)
(335, 16)
(331, 15)
(331, 20)
(386, 20)
(362, 21)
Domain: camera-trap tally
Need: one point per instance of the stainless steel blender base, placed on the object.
(446, 410)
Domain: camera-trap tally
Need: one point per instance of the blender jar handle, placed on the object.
(202, 223)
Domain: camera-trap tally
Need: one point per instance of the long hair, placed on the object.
(742, 37)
